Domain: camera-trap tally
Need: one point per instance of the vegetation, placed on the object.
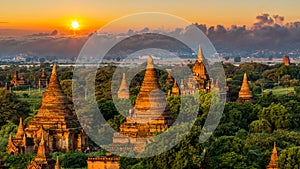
(243, 139)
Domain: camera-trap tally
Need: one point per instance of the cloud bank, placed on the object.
(268, 33)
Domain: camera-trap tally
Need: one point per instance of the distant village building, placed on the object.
(54, 123)
(286, 60)
(123, 92)
(16, 81)
(274, 159)
(245, 94)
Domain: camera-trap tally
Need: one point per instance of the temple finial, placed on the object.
(200, 53)
(54, 69)
(20, 131)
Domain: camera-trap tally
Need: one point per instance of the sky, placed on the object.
(233, 26)
(92, 14)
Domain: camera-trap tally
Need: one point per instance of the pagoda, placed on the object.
(245, 94)
(175, 89)
(16, 81)
(148, 116)
(123, 92)
(286, 60)
(200, 72)
(169, 77)
(274, 159)
(43, 81)
(55, 121)
(42, 159)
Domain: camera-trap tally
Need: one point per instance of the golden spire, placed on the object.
(41, 154)
(200, 54)
(123, 92)
(20, 132)
(149, 84)
(274, 158)
(245, 92)
(57, 166)
(54, 100)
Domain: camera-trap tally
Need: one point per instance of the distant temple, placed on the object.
(54, 123)
(274, 159)
(200, 72)
(123, 92)
(148, 116)
(286, 60)
(245, 94)
(169, 77)
(43, 81)
(16, 81)
(175, 89)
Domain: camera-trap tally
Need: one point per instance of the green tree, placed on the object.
(277, 115)
(289, 158)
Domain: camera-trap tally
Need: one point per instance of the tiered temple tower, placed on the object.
(55, 121)
(175, 89)
(148, 116)
(123, 92)
(245, 94)
(274, 159)
(200, 72)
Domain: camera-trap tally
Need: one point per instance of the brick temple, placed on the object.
(54, 124)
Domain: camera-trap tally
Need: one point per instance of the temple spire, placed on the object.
(41, 154)
(274, 158)
(149, 84)
(20, 132)
(245, 93)
(200, 54)
(123, 92)
(57, 166)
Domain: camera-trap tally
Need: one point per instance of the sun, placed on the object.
(75, 24)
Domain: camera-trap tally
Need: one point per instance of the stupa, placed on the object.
(55, 121)
(175, 89)
(200, 72)
(123, 92)
(16, 81)
(148, 116)
(274, 159)
(245, 94)
(42, 159)
(43, 81)
(286, 60)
